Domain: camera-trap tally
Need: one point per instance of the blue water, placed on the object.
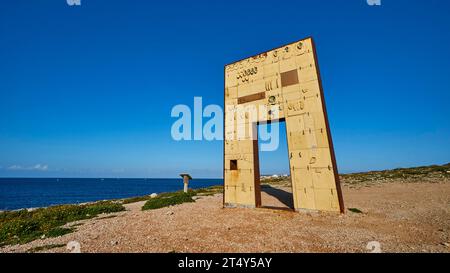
(18, 193)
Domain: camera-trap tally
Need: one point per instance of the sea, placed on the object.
(20, 193)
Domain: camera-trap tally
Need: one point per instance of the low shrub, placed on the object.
(24, 226)
(169, 199)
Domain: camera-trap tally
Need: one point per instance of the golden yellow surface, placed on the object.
(285, 79)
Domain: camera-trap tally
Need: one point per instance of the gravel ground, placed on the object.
(412, 217)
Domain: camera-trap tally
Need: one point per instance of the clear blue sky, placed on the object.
(87, 91)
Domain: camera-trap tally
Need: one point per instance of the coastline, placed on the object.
(390, 206)
(383, 212)
(36, 193)
(25, 225)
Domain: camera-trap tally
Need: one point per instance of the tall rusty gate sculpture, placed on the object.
(279, 85)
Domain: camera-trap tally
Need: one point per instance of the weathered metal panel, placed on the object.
(280, 84)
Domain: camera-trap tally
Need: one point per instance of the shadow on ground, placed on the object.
(285, 198)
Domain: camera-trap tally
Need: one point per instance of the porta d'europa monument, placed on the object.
(281, 85)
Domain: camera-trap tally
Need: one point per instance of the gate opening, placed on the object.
(275, 181)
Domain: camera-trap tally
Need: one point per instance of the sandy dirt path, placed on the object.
(401, 217)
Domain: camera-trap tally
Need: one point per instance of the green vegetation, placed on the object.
(179, 197)
(425, 173)
(355, 210)
(199, 192)
(169, 199)
(432, 173)
(136, 199)
(24, 226)
(46, 247)
(208, 191)
(59, 231)
(20, 227)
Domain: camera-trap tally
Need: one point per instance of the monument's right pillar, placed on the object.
(315, 179)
